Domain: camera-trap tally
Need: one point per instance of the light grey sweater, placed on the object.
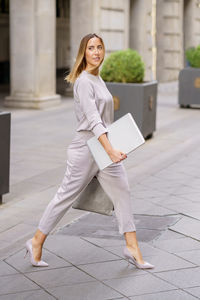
(94, 107)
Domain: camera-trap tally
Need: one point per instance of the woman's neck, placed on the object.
(94, 72)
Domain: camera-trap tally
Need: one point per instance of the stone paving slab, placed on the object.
(167, 262)
(151, 193)
(194, 197)
(194, 291)
(104, 242)
(16, 283)
(58, 277)
(155, 222)
(169, 235)
(100, 226)
(13, 233)
(169, 176)
(191, 256)
(49, 178)
(144, 247)
(170, 200)
(136, 285)
(93, 290)
(111, 269)
(141, 206)
(19, 170)
(116, 246)
(29, 191)
(4, 244)
(77, 251)
(187, 209)
(188, 227)
(18, 262)
(177, 245)
(5, 269)
(169, 295)
(31, 295)
(184, 278)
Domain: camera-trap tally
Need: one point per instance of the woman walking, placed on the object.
(94, 112)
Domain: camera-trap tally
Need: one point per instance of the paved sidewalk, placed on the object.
(84, 251)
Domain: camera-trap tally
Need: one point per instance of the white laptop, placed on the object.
(123, 134)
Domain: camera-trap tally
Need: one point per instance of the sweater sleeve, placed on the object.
(86, 97)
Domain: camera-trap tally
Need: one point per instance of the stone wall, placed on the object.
(108, 18)
(191, 23)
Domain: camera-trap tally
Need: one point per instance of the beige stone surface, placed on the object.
(32, 54)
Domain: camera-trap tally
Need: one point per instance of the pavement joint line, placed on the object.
(11, 227)
(87, 263)
(54, 253)
(18, 242)
(190, 217)
(178, 288)
(165, 280)
(102, 282)
(160, 216)
(20, 292)
(100, 262)
(76, 266)
(186, 291)
(166, 292)
(175, 254)
(173, 270)
(16, 251)
(198, 240)
(149, 273)
(90, 242)
(24, 274)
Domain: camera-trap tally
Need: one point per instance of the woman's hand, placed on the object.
(116, 155)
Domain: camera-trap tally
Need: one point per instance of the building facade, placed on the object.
(40, 38)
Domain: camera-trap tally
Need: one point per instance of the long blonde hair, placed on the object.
(80, 63)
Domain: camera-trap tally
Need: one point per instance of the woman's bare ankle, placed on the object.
(39, 238)
(36, 243)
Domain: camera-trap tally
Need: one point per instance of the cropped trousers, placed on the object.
(80, 170)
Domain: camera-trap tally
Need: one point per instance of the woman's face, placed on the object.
(94, 52)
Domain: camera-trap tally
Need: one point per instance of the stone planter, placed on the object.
(4, 153)
(140, 100)
(189, 87)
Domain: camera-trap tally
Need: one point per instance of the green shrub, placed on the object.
(123, 66)
(193, 56)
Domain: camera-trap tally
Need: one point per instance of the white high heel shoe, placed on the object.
(29, 250)
(130, 257)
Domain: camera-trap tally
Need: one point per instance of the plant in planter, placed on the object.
(189, 79)
(123, 72)
(193, 56)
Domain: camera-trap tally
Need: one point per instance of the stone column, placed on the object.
(191, 23)
(32, 54)
(141, 34)
(170, 55)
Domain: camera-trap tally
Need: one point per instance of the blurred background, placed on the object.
(39, 40)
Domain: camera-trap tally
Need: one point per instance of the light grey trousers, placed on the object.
(81, 168)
